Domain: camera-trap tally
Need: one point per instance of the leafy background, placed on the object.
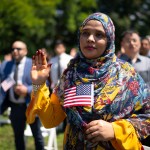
(40, 22)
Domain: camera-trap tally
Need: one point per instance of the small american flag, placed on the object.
(7, 83)
(80, 95)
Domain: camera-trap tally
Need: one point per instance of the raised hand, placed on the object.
(40, 68)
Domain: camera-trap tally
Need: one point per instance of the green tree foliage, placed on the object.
(127, 14)
(40, 22)
(73, 13)
(30, 21)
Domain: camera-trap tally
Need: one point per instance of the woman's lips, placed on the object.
(90, 48)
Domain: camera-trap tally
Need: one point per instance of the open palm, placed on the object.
(40, 68)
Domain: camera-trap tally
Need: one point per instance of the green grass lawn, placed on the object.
(7, 139)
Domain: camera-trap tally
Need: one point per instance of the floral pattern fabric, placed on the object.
(119, 92)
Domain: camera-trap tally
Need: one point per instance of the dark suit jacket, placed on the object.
(6, 69)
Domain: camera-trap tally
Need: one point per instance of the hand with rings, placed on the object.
(99, 130)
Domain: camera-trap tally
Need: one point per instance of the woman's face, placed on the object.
(93, 40)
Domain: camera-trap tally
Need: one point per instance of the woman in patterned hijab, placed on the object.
(107, 104)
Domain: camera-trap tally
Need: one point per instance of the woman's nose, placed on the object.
(91, 38)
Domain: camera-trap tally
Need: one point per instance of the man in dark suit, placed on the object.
(18, 96)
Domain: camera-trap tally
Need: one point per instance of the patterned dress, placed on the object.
(119, 92)
(121, 97)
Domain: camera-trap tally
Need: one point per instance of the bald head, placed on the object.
(20, 43)
(19, 50)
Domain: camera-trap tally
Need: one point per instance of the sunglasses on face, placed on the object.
(17, 48)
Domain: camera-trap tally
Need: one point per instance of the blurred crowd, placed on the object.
(15, 92)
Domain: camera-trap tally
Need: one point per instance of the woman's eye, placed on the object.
(85, 33)
(134, 40)
(99, 35)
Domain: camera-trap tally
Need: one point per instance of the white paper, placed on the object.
(7, 83)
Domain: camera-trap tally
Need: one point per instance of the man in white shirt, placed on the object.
(59, 62)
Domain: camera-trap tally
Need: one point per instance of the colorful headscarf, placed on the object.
(83, 70)
(119, 92)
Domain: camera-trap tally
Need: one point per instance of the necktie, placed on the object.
(16, 79)
(59, 68)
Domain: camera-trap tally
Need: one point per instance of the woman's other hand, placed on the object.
(99, 130)
(40, 68)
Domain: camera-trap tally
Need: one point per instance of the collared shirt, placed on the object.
(64, 60)
(148, 55)
(19, 81)
(142, 66)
